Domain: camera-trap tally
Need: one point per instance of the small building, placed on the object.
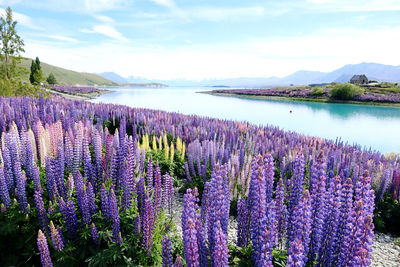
(359, 79)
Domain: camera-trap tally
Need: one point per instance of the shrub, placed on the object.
(345, 91)
(317, 91)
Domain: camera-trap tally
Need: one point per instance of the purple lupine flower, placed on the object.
(69, 216)
(281, 210)
(168, 192)
(128, 183)
(257, 203)
(20, 181)
(91, 199)
(220, 252)
(268, 237)
(201, 242)
(50, 209)
(69, 153)
(97, 146)
(141, 195)
(166, 252)
(82, 198)
(36, 179)
(189, 229)
(60, 167)
(137, 226)
(178, 262)
(50, 180)
(243, 223)
(87, 161)
(157, 191)
(345, 219)
(319, 209)
(296, 254)
(351, 231)
(7, 169)
(113, 208)
(365, 240)
(385, 180)
(115, 168)
(365, 193)
(301, 228)
(43, 250)
(5, 197)
(104, 202)
(331, 235)
(95, 234)
(219, 204)
(148, 224)
(149, 177)
(269, 176)
(191, 165)
(296, 189)
(187, 172)
(56, 237)
(70, 185)
(41, 211)
(77, 151)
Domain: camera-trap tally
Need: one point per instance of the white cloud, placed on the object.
(166, 3)
(319, 1)
(216, 14)
(62, 38)
(103, 18)
(102, 5)
(106, 30)
(22, 20)
(354, 5)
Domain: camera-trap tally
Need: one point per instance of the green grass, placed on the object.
(68, 77)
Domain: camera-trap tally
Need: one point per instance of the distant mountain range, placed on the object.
(374, 71)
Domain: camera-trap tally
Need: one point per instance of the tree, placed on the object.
(36, 72)
(51, 79)
(11, 46)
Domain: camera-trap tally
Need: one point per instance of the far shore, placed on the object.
(302, 99)
(81, 96)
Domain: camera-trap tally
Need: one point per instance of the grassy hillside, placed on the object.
(68, 77)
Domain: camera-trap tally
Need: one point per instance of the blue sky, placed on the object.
(202, 39)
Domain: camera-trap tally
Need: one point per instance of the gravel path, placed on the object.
(385, 253)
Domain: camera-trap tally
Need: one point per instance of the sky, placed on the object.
(208, 39)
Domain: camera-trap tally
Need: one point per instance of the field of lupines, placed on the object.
(74, 89)
(93, 184)
(309, 93)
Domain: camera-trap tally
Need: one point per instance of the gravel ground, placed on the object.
(385, 252)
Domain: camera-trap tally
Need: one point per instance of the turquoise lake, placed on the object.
(374, 127)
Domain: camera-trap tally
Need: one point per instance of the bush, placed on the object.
(345, 91)
(317, 91)
(387, 215)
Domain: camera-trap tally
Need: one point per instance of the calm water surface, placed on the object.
(373, 127)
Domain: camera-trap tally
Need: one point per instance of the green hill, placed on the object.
(68, 77)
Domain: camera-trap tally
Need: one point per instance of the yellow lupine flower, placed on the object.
(154, 143)
(166, 152)
(172, 153)
(183, 151)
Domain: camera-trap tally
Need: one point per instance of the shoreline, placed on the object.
(300, 99)
(80, 96)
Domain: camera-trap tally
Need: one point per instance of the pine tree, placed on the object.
(33, 70)
(51, 79)
(36, 72)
